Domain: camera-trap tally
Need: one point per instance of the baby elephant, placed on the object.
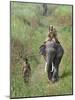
(26, 70)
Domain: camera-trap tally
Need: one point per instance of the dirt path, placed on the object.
(39, 73)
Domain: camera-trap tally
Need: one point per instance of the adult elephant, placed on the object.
(52, 53)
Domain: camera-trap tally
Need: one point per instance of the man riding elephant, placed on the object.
(52, 52)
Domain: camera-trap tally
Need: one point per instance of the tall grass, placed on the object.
(28, 31)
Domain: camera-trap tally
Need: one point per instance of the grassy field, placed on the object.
(29, 28)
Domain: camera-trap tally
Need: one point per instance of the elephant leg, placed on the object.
(49, 72)
(56, 63)
(55, 74)
(50, 56)
(56, 69)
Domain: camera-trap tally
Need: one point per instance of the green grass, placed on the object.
(28, 31)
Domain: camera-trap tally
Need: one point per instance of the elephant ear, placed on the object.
(42, 49)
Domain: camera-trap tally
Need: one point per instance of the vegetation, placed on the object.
(29, 28)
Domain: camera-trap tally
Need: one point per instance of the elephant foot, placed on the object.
(54, 80)
(50, 76)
